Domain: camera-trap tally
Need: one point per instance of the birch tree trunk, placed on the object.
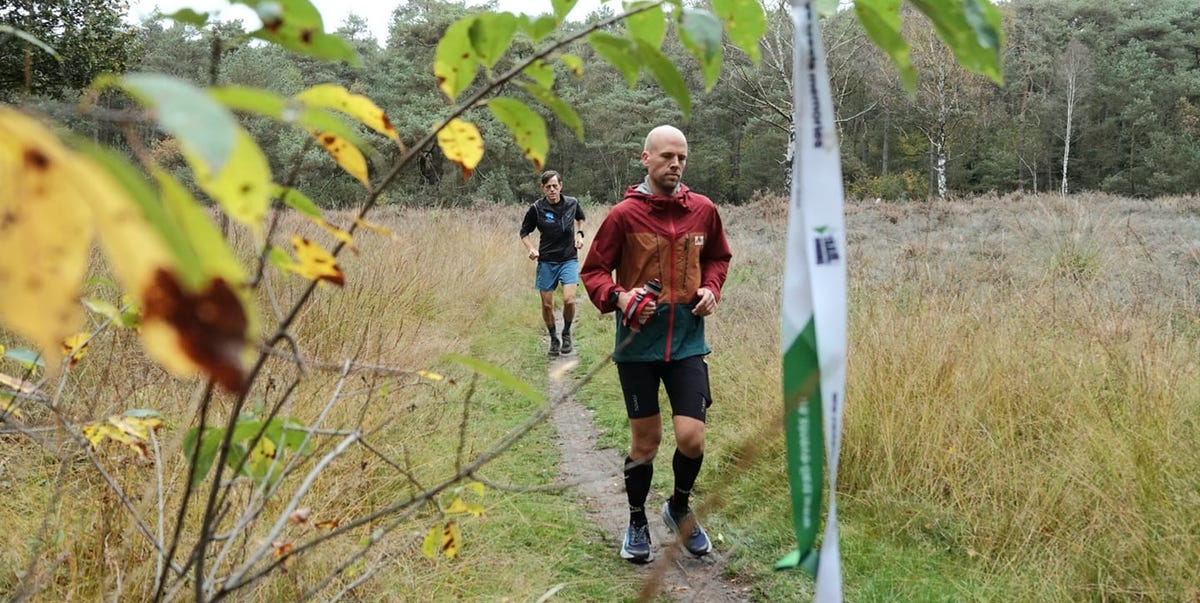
(1075, 62)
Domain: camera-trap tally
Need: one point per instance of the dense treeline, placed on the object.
(1109, 90)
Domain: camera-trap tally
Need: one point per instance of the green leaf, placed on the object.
(296, 200)
(203, 126)
(971, 29)
(618, 52)
(280, 259)
(527, 127)
(562, 7)
(246, 427)
(537, 27)
(744, 22)
(573, 62)
(24, 35)
(667, 75)
(455, 62)
(700, 33)
(881, 20)
(237, 458)
(491, 34)
(30, 358)
(565, 113)
(312, 43)
(648, 26)
(294, 434)
(189, 17)
(540, 72)
(296, 25)
(500, 375)
(209, 444)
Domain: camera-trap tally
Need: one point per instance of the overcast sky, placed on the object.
(376, 12)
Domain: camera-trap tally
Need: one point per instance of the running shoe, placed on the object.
(696, 541)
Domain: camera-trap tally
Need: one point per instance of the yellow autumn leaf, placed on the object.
(458, 506)
(338, 233)
(346, 155)
(138, 428)
(263, 453)
(359, 107)
(376, 228)
(433, 538)
(476, 487)
(243, 185)
(461, 143)
(451, 539)
(430, 376)
(76, 346)
(315, 263)
(133, 432)
(45, 233)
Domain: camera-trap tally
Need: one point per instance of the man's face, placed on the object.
(664, 160)
(551, 189)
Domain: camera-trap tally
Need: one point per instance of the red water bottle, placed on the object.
(651, 291)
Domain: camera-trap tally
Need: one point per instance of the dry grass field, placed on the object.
(1022, 420)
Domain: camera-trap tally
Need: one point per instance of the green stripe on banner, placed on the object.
(805, 445)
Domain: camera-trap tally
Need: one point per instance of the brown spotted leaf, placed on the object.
(75, 347)
(315, 263)
(455, 61)
(346, 156)
(169, 256)
(451, 539)
(204, 330)
(527, 127)
(461, 143)
(332, 96)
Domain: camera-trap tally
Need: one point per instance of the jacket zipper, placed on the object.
(671, 285)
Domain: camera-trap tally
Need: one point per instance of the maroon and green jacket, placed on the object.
(678, 240)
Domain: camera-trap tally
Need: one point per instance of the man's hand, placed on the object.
(578, 241)
(533, 254)
(626, 297)
(707, 304)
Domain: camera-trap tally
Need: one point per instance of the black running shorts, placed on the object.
(686, 382)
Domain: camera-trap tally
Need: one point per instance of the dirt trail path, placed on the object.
(673, 573)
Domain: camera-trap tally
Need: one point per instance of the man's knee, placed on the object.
(644, 446)
(689, 436)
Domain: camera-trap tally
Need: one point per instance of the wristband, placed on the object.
(580, 232)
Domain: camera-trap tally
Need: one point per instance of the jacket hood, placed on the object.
(641, 192)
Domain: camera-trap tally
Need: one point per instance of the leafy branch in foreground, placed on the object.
(197, 301)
